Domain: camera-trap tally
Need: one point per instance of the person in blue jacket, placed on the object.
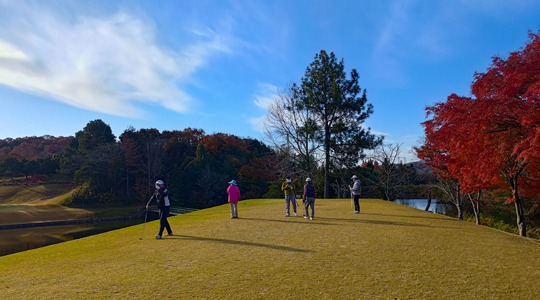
(161, 196)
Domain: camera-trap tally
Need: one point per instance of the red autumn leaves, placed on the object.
(492, 139)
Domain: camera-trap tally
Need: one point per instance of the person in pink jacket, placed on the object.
(234, 197)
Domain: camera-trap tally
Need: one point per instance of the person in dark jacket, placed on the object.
(161, 196)
(356, 191)
(309, 198)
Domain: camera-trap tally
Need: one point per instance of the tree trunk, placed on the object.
(428, 200)
(476, 206)
(327, 167)
(127, 181)
(522, 226)
(460, 211)
(459, 203)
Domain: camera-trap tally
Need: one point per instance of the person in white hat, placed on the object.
(161, 196)
(288, 188)
(310, 194)
(356, 191)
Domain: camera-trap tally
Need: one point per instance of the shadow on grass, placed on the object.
(290, 220)
(242, 243)
(378, 222)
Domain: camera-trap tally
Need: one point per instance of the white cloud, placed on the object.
(258, 123)
(104, 64)
(379, 133)
(264, 97)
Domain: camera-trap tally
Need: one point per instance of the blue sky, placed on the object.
(215, 64)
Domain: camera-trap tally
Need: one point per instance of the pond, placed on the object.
(17, 240)
(435, 207)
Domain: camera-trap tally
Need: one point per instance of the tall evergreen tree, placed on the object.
(339, 106)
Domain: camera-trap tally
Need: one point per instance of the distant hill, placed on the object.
(33, 147)
(419, 165)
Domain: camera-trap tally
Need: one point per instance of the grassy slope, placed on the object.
(22, 204)
(36, 195)
(388, 251)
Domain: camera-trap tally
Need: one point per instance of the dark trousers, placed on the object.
(356, 204)
(163, 223)
(310, 202)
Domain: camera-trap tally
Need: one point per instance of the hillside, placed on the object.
(387, 251)
(25, 203)
(32, 147)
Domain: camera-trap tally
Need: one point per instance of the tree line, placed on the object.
(196, 166)
(314, 129)
(30, 155)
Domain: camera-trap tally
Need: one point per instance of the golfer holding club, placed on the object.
(356, 191)
(161, 196)
(234, 197)
(288, 188)
(309, 196)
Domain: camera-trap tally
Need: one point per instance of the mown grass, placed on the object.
(24, 204)
(36, 195)
(387, 251)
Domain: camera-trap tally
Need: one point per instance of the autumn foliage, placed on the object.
(32, 148)
(492, 139)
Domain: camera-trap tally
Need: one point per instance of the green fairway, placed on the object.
(388, 251)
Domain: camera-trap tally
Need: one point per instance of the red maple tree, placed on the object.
(492, 140)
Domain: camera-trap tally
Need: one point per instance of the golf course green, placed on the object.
(389, 251)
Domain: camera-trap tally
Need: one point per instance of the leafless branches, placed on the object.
(291, 133)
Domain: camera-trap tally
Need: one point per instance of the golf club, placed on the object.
(144, 225)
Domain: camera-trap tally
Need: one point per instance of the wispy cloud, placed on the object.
(264, 97)
(379, 133)
(107, 64)
(258, 123)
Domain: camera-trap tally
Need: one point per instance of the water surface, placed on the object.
(17, 240)
(435, 207)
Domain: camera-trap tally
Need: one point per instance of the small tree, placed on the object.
(31, 167)
(11, 166)
(389, 173)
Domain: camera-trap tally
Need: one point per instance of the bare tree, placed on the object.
(291, 132)
(340, 187)
(208, 189)
(152, 158)
(475, 202)
(452, 193)
(389, 173)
